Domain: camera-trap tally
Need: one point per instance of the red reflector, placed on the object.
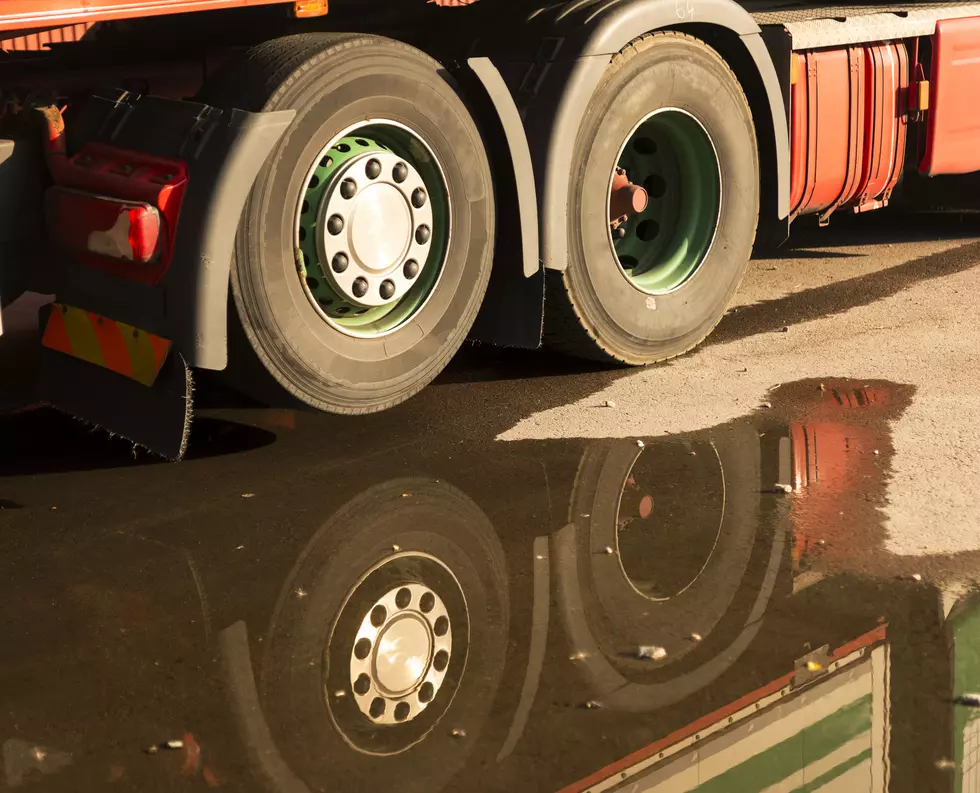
(144, 232)
(106, 227)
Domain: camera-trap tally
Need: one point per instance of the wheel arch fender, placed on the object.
(588, 34)
(513, 307)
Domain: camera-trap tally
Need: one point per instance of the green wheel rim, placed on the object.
(672, 157)
(343, 160)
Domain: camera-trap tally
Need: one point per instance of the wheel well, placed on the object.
(772, 230)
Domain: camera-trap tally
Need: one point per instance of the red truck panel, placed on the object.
(953, 133)
(26, 14)
(850, 121)
(887, 72)
(828, 98)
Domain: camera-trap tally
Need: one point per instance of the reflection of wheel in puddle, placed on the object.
(377, 655)
(397, 653)
(400, 654)
(666, 550)
(666, 538)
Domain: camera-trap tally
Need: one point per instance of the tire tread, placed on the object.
(258, 81)
(566, 328)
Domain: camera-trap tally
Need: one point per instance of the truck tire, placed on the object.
(365, 247)
(673, 115)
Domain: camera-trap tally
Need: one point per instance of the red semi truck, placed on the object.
(244, 186)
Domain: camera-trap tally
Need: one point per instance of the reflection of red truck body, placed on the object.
(838, 455)
(356, 273)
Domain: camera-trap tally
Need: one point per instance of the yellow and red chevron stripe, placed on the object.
(104, 342)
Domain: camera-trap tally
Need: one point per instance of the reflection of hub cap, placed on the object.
(666, 538)
(400, 655)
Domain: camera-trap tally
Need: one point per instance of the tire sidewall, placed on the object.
(670, 72)
(331, 368)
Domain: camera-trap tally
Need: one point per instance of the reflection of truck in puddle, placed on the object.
(828, 724)
(585, 617)
(676, 638)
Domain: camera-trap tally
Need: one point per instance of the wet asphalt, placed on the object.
(443, 598)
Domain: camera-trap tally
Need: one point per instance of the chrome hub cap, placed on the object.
(400, 656)
(375, 228)
(372, 229)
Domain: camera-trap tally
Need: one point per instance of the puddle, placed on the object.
(395, 606)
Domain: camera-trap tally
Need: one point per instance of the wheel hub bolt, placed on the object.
(422, 234)
(619, 232)
(418, 198)
(335, 225)
(400, 172)
(373, 169)
(359, 287)
(339, 262)
(387, 289)
(411, 268)
(347, 188)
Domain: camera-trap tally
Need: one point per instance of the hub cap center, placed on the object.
(380, 228)
(402, 654)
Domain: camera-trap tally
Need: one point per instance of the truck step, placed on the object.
(816, 25)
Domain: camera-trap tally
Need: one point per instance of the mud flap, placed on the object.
(158, 418)
(186, 308)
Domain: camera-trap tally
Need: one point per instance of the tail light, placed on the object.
(92, 226)
(117, 210)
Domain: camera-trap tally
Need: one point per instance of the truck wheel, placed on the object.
(672, 115)
(365, 247)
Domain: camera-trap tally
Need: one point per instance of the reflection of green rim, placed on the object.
(646, 554)
(672, 157)
(338, 309)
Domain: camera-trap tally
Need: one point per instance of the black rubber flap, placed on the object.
(157, 418)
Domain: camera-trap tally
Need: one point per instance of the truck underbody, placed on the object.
(248, 188)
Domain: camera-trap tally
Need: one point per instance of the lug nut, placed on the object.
(411, 269)
(347, 188)
(619, 233)
(373, 169)
(335, 225)
(422, 234)
(359, 287)
(387, 289)
(418, 198)
(400, 172)
(339, 262)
